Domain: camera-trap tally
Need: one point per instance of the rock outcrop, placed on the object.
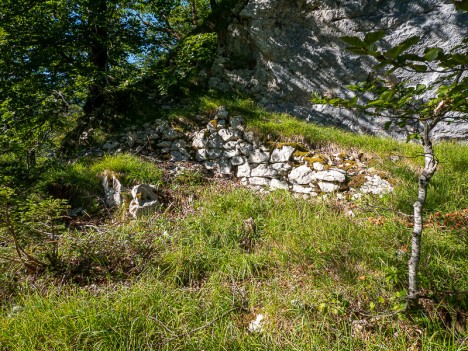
(280, 51)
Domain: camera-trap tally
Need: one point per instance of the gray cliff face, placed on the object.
(281, 51)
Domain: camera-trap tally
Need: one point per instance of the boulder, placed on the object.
(279, 184)
(243, 170)
(264, 170)
(145, 200)
(259, 181)
(327, 187)
(259, 156)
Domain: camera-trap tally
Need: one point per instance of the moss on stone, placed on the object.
(357, 181)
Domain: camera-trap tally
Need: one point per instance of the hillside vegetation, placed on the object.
(219, 257)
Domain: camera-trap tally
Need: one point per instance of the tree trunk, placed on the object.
(194, 12)
(98, 58)
(430, 166)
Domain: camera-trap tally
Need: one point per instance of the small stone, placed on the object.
(199, 140)
(281, 168)
(301, 175)
(201, 155)
(328, 187)
(243, 170)
(221, 124)
(112, 190)
(259, 156)
(171, 134)
(179, 156)
(250, 137)
(145, 200)
(178, 144)
(264, 170)
(245, 148)
(318, 166)
(231, 153)
(230, 145)
(214, 153)
(131, 139)
(210, 165)
(238, 160)
(302, 189)
(330, 176)
(164, 144)
(214, 141)
(256, 326)
(376, 185)
(221, 113)
(279, 184)
(224, 166)
(229, 134)
(282, 155)
(259, 181)
(237, 122)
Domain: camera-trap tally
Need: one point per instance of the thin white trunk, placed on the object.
(430, 166)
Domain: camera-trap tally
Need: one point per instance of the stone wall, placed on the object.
(280, 51)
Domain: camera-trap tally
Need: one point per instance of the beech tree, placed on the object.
(422, 106)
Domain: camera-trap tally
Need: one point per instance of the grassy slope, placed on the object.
(310, 269)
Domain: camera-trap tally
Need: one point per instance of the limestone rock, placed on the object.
(229, 134)
(327, 187)
(145, 200)
(243, 170)
(237, 122)
(279, 184)
(318, 166)
(282, 155)
(112, 190)
(238, 160)
(199, 140)
(259, 156)
(264, 170)
(301, 175)
(330, 176)
(302, 189)
(214, 141)
(376, 185)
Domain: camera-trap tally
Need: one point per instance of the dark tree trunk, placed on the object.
(98, 58)
(430, 166)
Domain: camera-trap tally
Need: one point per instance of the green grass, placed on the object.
(178, 281)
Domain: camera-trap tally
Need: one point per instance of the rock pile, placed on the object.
(225, 147)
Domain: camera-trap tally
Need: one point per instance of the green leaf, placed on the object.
(420, 88)
(354, 41)
(430, 54)
(387, 95)
(405, 45)
(371, 38)
(419, 68)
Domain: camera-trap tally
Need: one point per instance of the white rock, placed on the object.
(281, 168)
(301, 175)
(245, 148)
(229, 134)
(328, 187)
(302, 189)
(250, 137)
(214, 141)
(224, 166)
(318, 166)
(131, 139)
(210, 165)
(256, 326)
(201, 155)
(282, 155)
(112, 192)
(230, 145)
(238, 160)
(259, 156)
(243, 170)
(145, 200)
(279, 184)
(376, 185)
(214, 153)
(330, 176)
(199, 140)
(231, 153)
(264, 170)
(259, 181)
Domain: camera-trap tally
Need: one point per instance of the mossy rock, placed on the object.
(303, 154)
(214, 123)
(348, 165)
(357, 181)
(317, 158)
